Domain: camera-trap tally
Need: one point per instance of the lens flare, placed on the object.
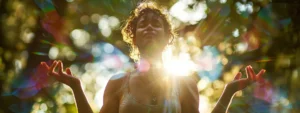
(181, 65)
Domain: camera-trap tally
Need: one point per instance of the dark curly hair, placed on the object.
(129, 29)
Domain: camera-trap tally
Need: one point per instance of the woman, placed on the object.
(146, 90)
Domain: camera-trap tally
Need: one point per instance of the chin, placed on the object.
(152, 50)
(152, 54)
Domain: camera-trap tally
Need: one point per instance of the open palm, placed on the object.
(240, 83)
(61, 76)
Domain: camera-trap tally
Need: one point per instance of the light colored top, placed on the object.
(171, 104)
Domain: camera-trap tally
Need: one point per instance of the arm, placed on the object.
(237, 84)
(112, 92)
(189, 96)
(81, 100)
(223, 102)
(73, 82)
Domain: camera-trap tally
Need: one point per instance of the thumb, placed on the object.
(260, 74)
(68, 70)
(238, 76)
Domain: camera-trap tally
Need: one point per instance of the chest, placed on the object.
(155, 97)
(140, 102)
(154, 93)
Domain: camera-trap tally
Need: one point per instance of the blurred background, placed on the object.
(216, 39)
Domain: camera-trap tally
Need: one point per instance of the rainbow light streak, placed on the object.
(52, 22)
(47, 42)
(40, 53)
(27, 87)
(264, 60)
(45, 5)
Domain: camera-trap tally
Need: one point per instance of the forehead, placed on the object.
(150, 15)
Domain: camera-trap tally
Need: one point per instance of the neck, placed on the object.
(149, 65)
(151, 70)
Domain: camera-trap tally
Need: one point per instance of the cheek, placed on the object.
(138, 36)
(138, 33)
(163, 37)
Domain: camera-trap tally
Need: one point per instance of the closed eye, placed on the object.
(141, 24)
(157, 24)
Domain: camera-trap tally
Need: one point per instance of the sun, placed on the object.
(180, 65)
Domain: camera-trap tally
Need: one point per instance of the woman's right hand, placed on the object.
(61, 76)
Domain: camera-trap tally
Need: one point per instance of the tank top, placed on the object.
(171, 104)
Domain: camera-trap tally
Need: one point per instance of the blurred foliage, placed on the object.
(85, 35)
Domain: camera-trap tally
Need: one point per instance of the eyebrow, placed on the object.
(155, 17)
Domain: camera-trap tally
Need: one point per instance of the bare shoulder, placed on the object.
(118, 77)
(189, 96)
(115, 83)
(188, 86)
(113, 92)
(186, 81)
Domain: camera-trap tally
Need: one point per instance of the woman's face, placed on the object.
(151, 37)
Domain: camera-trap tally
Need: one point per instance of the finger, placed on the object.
(259, 75)
(54, 64)
(52, 73)
(68, 70)
(252, 73)
(45, 65)
(238, 76)
(247, 74)
(60, 67)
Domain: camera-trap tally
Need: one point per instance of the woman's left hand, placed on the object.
(240, 83)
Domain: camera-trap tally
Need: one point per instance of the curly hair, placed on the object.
(129, 29)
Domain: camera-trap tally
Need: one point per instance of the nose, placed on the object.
(149, 27)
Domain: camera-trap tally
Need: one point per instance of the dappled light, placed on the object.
(215, 40)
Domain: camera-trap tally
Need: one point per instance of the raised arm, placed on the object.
(237, 84)
(81, 101)
(112, 94)
(73, 82)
